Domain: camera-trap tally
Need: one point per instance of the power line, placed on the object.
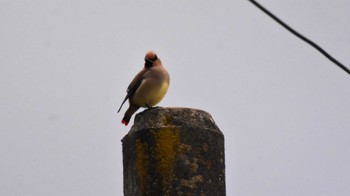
(313, 44)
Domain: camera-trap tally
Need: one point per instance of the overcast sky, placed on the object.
(284, 109)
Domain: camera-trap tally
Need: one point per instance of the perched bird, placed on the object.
(147, 88)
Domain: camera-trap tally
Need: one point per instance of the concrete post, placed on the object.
(174, 152)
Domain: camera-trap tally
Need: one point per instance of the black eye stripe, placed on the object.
(151, 60)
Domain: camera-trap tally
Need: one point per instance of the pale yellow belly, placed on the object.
(150, 95)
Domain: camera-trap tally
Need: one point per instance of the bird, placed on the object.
(147, 88)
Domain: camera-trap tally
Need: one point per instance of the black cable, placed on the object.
(301, 37)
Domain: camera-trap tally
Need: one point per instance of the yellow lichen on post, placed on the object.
(166, 140)
(174, 151)
(140, 160)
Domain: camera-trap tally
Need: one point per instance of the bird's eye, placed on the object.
(155, 58)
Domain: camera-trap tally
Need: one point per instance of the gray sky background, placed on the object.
(284, 109)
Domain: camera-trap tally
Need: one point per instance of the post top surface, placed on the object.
(161, 117)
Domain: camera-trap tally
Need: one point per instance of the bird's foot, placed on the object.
(150, 108)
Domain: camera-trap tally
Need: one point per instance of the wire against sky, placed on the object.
(335, 61)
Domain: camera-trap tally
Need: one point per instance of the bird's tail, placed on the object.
(126, 120)
(128, 114)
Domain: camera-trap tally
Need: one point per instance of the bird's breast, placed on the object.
(150, 92)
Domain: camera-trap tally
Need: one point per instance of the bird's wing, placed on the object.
(135, 83)
(122, 103)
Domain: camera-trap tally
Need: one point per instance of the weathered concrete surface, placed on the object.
(174, 151)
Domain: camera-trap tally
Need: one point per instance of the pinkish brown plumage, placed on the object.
(147, 88)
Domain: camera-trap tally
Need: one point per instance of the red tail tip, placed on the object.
(124, 122)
